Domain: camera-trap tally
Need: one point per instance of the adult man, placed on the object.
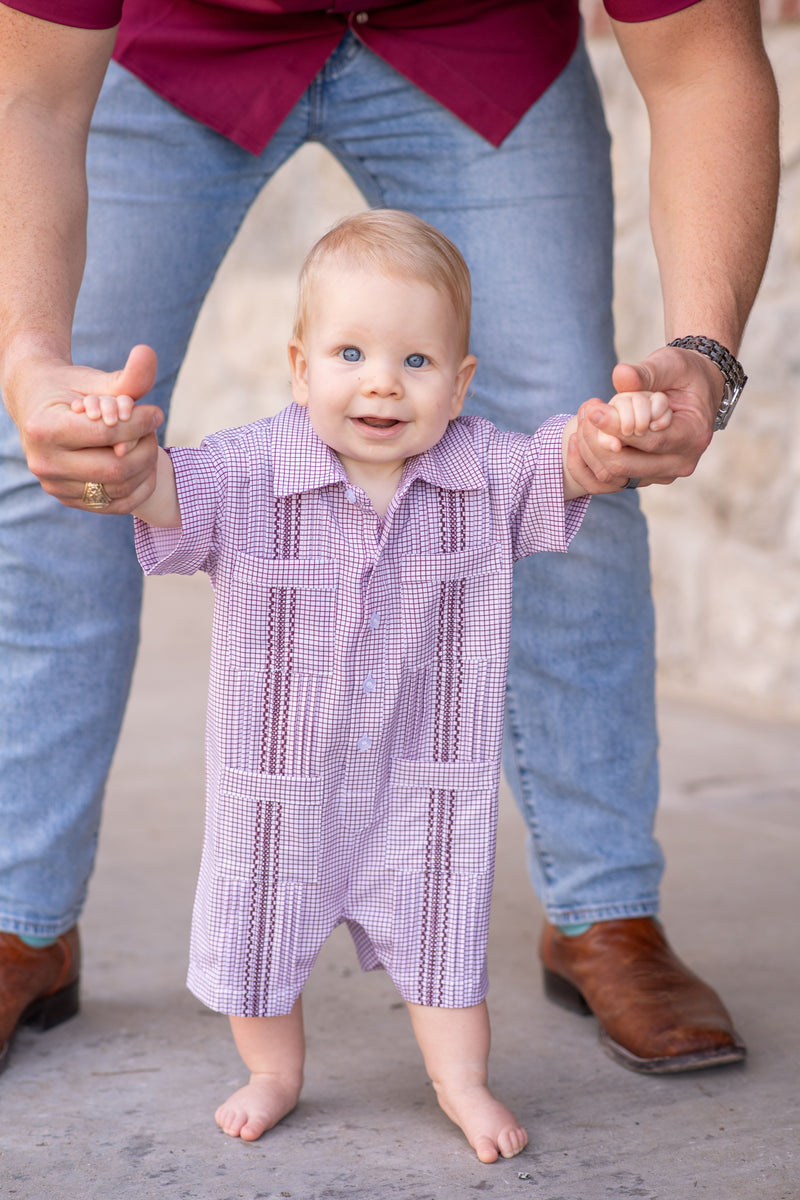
(484, 119)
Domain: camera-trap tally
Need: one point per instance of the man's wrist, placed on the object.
(22, 357)
(729, 367)
(23, 349)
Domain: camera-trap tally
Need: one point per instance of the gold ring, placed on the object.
(95, 496)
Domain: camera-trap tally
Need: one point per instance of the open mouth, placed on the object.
(379, 422)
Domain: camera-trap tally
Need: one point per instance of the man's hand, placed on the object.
(693, 386)
(65, 450)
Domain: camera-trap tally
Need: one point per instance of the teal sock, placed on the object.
(574, 930)
(37, 943)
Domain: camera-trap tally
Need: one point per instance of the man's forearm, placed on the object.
(713, 110)
(49, 79)
(42, 240)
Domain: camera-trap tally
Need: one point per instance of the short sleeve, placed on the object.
(79, 14)
(200, 480)
(644, 10)
(541, 519)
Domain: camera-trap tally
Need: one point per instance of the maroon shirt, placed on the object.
(239, 66)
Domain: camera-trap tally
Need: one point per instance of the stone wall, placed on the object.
(726, 543)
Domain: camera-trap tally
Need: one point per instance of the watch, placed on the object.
(731, 369)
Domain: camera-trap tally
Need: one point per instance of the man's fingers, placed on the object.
(120, 475)
(632, 377)
(76, 433)
(598, 438)
(582, 473)
(677, 436)
(123, 448)
(612, 461)
(142, 488)
(637, 464)
(136, 377)
(54, 437)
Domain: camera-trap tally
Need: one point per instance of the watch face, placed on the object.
(729, 398)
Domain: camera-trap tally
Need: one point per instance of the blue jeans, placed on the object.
(534, 220)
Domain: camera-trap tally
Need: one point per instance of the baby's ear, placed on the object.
(298, 364)
(463, 380)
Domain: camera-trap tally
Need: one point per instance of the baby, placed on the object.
(360, 545)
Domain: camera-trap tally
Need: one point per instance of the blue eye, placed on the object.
(416, 360)
(352, 354)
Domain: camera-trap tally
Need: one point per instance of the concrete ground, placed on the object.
(118, 1103)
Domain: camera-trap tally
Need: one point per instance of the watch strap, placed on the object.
(731, 368)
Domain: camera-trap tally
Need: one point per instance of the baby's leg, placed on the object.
(273, 1050)
(455, 1045)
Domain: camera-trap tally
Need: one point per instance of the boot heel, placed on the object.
(561, 991)
(50, 1011)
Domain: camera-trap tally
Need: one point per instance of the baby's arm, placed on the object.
(161, 507)
(636, 413)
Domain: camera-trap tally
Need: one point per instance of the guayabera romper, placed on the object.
(356, 699)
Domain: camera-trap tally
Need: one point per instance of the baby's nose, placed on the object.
(382, 381)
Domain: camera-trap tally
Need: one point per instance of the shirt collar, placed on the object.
(453, 463)
(302, 462)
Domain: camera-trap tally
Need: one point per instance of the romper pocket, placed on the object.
(442, 816)
(280, 614)
(266, 827)
(455, 605)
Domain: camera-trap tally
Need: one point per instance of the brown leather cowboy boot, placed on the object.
(38, 985)
(655, 1015)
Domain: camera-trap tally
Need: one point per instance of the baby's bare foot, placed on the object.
(255, 1108)
(489, 1127)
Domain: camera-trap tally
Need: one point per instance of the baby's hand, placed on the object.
(637, 413)
(641, 412)
(110, 410)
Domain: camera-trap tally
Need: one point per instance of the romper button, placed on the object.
(362, 18)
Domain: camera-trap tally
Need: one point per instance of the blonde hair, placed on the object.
(394, 243)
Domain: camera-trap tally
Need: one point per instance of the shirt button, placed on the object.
(350, 495)
(364, 742)
(362, 18)
(375, 620)
(369, 684)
